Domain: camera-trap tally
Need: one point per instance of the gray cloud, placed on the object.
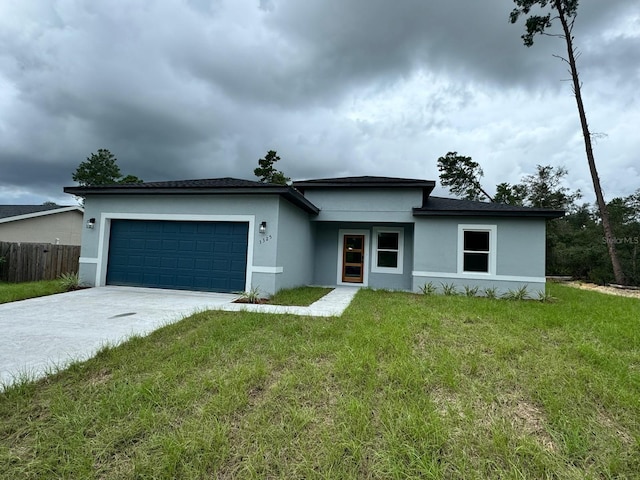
(204, 88)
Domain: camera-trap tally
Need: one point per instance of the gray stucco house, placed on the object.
(41, 224)
(230, 235)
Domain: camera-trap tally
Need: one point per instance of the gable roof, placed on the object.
(211, 186)
(12, 213)
(438, 206)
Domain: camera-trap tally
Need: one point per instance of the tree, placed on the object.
(510, 194)
(462, 175)
(565, 12)
(267, 172)
(544, 189)
(101, 169)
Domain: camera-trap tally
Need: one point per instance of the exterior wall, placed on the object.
(261, 262)
(294, 247)
(62, 228)
(365, 205)
(326, 254)
(519, 251)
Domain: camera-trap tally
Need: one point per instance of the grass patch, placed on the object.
(300, 296)
(11, 292)
(400, 386)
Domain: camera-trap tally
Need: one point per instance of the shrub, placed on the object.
(251, 296)
(69, 281)
(428, 289)
(491, 292)
(518, 294)
(449, 289)
(470, 291)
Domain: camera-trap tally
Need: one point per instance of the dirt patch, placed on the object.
(102, 376)
(605, 289)
(259, 301)
(605, 420)
(532, 420)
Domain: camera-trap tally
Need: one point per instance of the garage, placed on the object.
(184, 255)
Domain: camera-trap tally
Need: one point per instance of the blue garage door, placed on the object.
(207, 256)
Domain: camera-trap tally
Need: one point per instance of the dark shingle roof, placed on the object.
(226, 182)
(7, 211)
(365, 181)
(211, 186)
(438, 206)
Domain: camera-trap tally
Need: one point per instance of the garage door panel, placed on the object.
(210, 256)
(222, 247)
(151, 261)
(186, 245)
(169, 263)
(170, 245)
(172, 227)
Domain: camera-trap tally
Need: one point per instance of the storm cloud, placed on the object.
(181, 89)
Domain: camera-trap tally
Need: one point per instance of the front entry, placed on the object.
(353, 259)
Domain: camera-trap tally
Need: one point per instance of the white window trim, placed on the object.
(374, 250)
(365, 276)
(493, 246)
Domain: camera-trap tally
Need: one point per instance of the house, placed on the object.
(41, 224)
(230, 235)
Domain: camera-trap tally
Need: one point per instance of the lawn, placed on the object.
(300, 296)
(401, 386)
(11, 292)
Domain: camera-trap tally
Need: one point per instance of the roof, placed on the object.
(438, 206)
(427, 186)
(12, 213)
(364, 182)
(211, 186)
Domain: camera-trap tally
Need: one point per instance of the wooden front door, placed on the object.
(353, 259)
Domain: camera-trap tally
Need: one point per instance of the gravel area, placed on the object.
(604, 289)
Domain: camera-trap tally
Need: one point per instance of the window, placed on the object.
(388, 247)
(477, 249)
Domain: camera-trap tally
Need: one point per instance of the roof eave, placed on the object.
(288, 193)
(430, 184)
(549, 214)
(118, 190)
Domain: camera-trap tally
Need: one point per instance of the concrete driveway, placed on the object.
(41, 333)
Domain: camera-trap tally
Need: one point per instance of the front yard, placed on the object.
(401, 386)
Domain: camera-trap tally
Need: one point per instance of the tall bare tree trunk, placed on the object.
(602, 206)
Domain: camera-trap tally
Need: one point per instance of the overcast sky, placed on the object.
(183, 89)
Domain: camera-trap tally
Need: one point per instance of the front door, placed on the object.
(353, 259)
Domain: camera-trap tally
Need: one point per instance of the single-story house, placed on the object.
(229, 235)
(41, 224)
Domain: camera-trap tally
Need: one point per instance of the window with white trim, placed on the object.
(388, 250)
(477, 245)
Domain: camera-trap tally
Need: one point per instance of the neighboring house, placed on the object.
(41, 224)
(232, 235)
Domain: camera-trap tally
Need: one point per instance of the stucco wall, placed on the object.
(295, 247)
(63, 228)
(365, 205)
(520, 253)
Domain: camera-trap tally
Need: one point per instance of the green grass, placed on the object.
(300, 296)
(401, 386)
(11, 292)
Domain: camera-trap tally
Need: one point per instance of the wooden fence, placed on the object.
(28, 262)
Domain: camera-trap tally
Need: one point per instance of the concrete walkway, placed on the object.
(41, 334)
(332, 304)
